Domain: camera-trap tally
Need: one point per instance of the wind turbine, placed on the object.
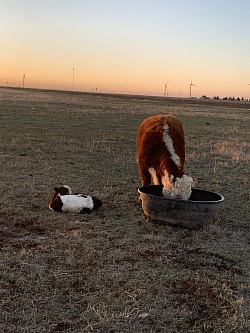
(166, 89)
(190, 88)
(23, 80)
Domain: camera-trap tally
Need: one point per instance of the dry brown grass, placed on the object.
(111, 271)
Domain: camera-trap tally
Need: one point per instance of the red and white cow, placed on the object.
(161, 155)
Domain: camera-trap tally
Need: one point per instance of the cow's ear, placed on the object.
(56, 189)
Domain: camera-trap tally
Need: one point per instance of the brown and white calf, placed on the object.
(161, 155)
(64, 201)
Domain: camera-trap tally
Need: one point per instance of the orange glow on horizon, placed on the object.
(136, 78)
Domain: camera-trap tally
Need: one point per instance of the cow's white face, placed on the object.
(181, 189)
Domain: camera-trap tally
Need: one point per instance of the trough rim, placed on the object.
(181, 200)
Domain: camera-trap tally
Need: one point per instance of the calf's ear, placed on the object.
(56, 189)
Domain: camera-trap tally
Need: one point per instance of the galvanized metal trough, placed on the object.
(202, 207)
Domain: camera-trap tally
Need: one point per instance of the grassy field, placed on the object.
(111, 271)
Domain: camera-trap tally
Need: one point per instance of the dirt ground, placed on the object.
(112, 271)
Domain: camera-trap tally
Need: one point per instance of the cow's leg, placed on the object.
(166, 180)
(145, 176)
(154, 175)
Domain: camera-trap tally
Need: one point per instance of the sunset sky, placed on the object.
(131, 46)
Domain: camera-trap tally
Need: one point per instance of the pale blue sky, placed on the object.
(131, 46)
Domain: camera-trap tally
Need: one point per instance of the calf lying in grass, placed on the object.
(64, 201)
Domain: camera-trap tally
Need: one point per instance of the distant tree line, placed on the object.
(226, 98)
